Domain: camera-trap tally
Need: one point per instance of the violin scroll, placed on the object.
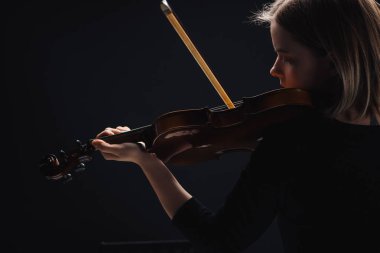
(61, 166)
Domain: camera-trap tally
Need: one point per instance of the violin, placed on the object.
(210, 132)
(191, 136)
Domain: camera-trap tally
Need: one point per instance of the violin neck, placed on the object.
(143, 134)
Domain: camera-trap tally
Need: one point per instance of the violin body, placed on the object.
(211, 133)
(192, 136)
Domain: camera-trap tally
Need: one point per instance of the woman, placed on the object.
(318, 174)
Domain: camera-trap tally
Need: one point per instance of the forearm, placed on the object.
(168, 190)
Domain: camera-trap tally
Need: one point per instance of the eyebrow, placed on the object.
(280, 50)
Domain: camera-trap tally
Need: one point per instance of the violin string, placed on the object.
(223, 107)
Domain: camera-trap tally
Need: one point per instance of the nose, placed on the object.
(276, 70)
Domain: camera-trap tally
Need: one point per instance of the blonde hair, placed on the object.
(349, 31)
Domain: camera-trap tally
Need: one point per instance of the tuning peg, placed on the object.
(81, 167)
(84, 158)
(79, 144)
(67, 178)
(63, 154)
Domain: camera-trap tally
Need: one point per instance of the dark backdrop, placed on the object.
(72, 69)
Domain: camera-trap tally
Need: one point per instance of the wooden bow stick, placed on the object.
(193, 50)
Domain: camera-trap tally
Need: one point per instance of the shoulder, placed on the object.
(304, 125)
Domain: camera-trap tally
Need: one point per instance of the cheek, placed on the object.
(319, 77)
(306, 76)
(296, 77)
(317, 73)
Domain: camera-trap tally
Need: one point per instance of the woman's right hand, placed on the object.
(126, 152)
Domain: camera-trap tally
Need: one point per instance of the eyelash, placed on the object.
(287, 60)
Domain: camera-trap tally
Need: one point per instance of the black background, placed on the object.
(72, 69)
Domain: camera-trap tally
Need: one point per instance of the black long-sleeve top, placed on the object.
(318, 176)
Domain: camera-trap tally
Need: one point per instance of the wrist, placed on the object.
(145, 157)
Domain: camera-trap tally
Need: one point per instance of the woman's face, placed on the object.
(296, 66)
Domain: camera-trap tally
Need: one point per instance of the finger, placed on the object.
(108, 131)
(104, 146)
(105, 132)
(123, 128)
(96, 143)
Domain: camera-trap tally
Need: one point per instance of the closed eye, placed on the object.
(287, 60)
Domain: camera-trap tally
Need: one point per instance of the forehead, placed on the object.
(283, 40)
